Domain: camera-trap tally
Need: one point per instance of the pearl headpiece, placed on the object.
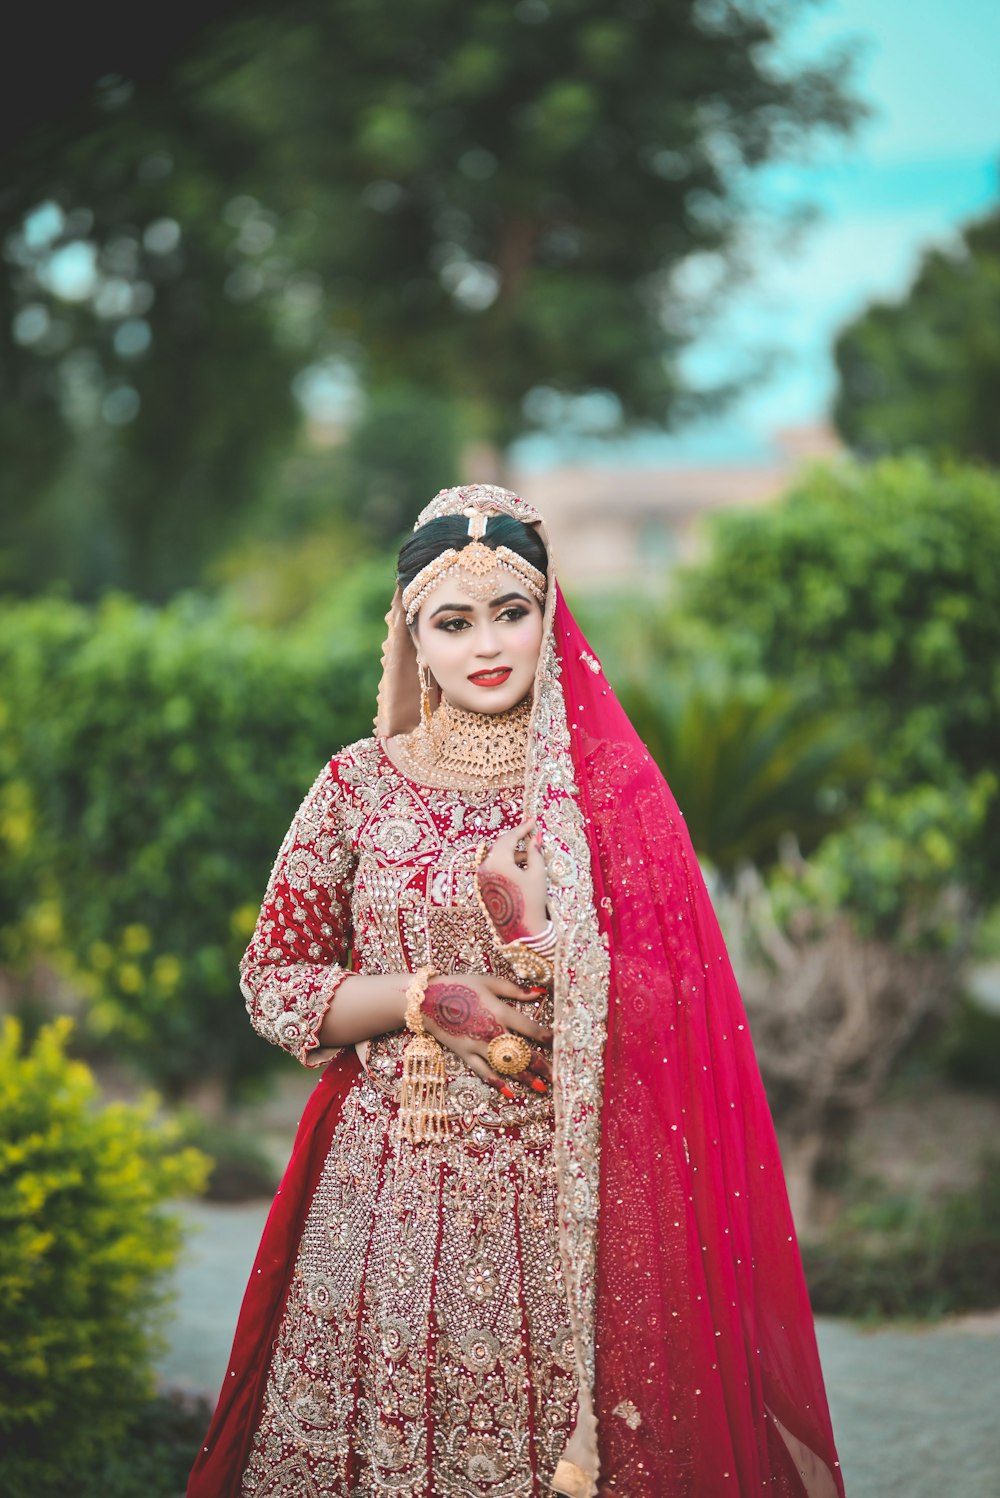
(477, 563)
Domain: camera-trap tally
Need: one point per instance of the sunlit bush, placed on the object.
(86, 1244)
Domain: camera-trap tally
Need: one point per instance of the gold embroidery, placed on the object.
(627, 1411)
(294, 963)
(437, 1261)
(441, 1257)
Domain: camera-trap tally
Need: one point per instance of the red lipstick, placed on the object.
(493, 678)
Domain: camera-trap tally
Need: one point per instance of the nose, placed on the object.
(488, 644)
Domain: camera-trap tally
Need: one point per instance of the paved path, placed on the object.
(916, 1411)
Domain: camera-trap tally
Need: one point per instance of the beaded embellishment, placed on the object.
(478, 565)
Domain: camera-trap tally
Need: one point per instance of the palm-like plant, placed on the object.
(748, 761)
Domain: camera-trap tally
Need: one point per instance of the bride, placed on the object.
(534, 1235)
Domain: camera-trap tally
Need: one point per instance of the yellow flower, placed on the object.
(101, 956)
(45, 923)
(167, 972)
(129, 977)
(243, 920)
(135, 939)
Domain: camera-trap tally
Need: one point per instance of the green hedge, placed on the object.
(84, 1250)
(150, 763)
(874, 587)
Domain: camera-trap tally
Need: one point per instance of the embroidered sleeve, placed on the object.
(298, 953)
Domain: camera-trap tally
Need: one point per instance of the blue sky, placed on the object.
(924, 164)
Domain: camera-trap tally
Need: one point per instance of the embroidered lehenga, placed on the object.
(597, 1291)
(426, 1326)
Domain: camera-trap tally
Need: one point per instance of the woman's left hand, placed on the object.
(466, 1011)
(513, 883)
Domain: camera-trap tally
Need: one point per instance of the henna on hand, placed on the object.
(456, 1009)
(504, 903)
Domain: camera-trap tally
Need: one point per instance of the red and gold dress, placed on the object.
(608, 1299)
(425, 1346)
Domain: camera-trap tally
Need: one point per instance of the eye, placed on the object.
(513, 612)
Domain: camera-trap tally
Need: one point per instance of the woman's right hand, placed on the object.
(465, 1011)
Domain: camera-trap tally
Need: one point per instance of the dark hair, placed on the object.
(453, 530)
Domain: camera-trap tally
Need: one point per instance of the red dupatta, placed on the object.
(704, 1372)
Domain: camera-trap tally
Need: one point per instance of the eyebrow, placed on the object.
(466, 608)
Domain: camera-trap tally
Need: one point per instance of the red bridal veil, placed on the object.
(697, 1363)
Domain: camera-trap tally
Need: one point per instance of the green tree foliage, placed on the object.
(400, 452)
(361, 493)
(875, 587)
(503, 192)
(481, 201)
(151, 763)
(145, 390)
(925, 371)
(85, 1248)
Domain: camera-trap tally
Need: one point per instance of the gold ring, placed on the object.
(508, 1054)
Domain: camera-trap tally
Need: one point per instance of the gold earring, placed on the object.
(424, 673)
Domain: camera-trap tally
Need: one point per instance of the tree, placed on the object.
(925, 371)
(144, 396)
(503, 193)
(482, 201)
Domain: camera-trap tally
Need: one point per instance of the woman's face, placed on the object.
(487, 628)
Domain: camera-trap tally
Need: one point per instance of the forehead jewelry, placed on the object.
(478, 565)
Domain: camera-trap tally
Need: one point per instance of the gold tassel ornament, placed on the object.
(422, 1112)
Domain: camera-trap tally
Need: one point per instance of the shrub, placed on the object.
(154, 1456)
(896, 867)
(900, 1257)
(240, 1167)
(85, 1247)
(150, 764)
(875, 586)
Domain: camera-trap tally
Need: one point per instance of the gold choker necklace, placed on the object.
(468, 750)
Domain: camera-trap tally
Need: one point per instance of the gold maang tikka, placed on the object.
(477, 563)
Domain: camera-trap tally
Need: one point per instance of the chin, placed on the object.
(479, 701)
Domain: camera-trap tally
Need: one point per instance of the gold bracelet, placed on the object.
(423, 1109)
(415, 993)
(530, 966)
